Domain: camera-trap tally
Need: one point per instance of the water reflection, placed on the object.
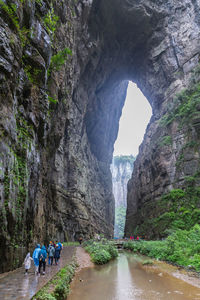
(125, 285)
(126, 279)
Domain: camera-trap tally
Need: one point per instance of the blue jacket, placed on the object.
(57, 253)
(60, 246)
(36, 252)
(43, 254)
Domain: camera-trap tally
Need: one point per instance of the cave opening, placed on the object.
(135, 117)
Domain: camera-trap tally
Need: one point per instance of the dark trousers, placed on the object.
(42, 264)
(56, 260)
(51, 260)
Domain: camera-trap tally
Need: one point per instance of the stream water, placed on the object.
(127, 279)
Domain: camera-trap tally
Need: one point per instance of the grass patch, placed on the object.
(147, 262)
(181, 248)
(101, 252)
(58, 288)
(70, 243)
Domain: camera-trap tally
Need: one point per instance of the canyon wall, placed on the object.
(64, 67)
(56, 148)
(163, 193)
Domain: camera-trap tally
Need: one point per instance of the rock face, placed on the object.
(60, 112)
(56, 148)
(121, 169)
(169, 155)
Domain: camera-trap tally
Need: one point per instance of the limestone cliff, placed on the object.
(163, 192)
(64, 67)
(56, 148)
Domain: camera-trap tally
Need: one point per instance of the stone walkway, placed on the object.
(16, 285)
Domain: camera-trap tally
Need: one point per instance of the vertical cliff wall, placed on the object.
(163, 193)
(64, 67)
(56, 148)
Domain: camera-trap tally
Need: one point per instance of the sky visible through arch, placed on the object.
(135, 117)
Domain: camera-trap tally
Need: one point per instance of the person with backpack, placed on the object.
(42, 259)
(51, 252)
(36, 258)
(57, 254)
(60, 246)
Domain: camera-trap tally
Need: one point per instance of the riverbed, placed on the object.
(126, 278)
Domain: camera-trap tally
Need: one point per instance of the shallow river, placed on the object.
(127, 279)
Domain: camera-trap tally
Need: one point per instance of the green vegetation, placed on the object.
(16, 182)
(181, 247)
(50, 22)
(59, 59)
(147, 262)
(184, 107)
(70, 243)
(52, 100)
(120, 159)
(101, 252)
(165, 141)
(58, 287)
(33, 73)
(179, 209)
(120, 216)
(10, 11)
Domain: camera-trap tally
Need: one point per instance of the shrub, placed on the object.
(182, 247)
(101, 257)
(59, 59)
(59, 285)
(165, 141)
(61, 290)
(101, 252)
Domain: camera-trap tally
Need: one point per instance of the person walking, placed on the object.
(42, 259)
(27, 262)
(57, 254)
(51, 252)
(60, 246)
(80, 240)
(36, 258)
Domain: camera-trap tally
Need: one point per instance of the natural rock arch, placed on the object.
(155, 44)
(57, 133)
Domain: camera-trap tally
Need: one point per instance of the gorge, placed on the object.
(64, 70)
(121, 169)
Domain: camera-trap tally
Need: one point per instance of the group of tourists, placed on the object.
(40, 255)
(136, 238)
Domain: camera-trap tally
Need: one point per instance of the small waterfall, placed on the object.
(121, 169)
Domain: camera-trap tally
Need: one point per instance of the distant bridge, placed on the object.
(119, 243)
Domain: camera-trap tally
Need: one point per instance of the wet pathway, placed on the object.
(16, 285)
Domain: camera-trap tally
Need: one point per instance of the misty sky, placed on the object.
(135, 117)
